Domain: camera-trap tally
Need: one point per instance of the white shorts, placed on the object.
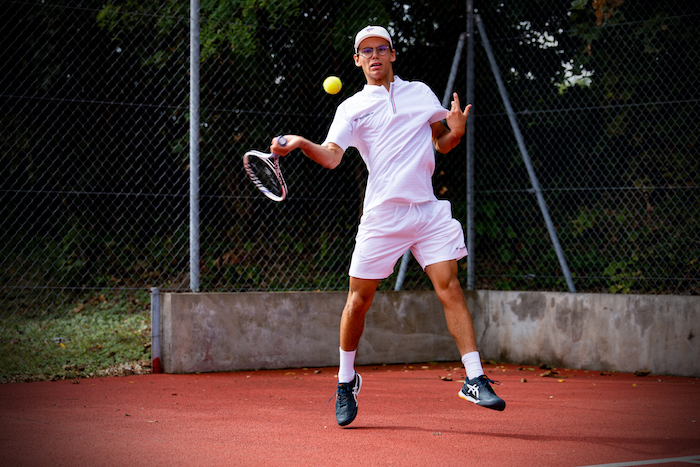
(387, 231)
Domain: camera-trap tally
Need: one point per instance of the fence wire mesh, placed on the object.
(611, 126)
(95, 163)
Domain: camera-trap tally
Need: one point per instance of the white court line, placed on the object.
(689, 460)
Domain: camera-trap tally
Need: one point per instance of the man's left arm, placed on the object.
(445, 139)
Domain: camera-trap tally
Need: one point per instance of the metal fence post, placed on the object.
(194, 145)
(526, 157)
(471, 270)
(155, 330)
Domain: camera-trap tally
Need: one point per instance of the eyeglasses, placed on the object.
(367, 52)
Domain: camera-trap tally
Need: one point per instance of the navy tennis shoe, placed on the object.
(346, 400)
(478, 390)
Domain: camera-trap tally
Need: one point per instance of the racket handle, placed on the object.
(281, 140)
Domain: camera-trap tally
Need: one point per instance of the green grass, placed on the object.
(99, 335)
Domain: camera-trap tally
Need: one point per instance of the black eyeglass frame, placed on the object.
(381, 51)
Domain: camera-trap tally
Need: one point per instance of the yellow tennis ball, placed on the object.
(332, 85)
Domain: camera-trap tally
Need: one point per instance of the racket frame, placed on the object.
(272, 161)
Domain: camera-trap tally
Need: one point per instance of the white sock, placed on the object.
(472, 363)
(346, 372)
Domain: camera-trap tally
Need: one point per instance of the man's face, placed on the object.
(376, 67)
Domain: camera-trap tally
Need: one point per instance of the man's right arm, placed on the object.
(329, 155)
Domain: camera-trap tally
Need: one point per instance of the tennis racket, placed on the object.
(264, 171)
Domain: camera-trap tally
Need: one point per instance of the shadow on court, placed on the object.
(408, 415)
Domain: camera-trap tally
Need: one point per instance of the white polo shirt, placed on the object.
(391, 130)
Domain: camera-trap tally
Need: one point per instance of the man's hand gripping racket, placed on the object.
(264, 171)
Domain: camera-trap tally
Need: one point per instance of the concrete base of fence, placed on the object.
(237, 331)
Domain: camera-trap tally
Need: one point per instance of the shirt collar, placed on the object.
(373, 88)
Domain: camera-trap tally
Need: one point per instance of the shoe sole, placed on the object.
(348, 421)
(497, 406)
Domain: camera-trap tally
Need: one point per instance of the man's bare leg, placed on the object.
(443, 275)
(352, 324)
(477, 387)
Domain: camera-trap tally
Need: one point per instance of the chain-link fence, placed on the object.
(611, 126)
(95, 163)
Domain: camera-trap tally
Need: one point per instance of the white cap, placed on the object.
(372, 31)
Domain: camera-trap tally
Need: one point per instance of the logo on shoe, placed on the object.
(473, 390)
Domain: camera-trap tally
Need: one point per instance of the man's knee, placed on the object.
(358, 303)
(360, 295)
(450, 292)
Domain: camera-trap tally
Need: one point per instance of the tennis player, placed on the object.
(395, 125)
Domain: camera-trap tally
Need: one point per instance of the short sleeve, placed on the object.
(340, 131)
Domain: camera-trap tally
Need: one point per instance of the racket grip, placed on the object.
(281, 140)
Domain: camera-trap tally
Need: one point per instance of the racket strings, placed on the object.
(266, 176)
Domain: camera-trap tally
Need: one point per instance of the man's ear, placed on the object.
(356, 57)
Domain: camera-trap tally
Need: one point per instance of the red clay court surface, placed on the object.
(408, 415)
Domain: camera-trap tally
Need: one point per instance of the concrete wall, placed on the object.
(223, 332)
(625, 333)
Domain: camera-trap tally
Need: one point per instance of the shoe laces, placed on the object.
(344, 392)
(488, 380)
